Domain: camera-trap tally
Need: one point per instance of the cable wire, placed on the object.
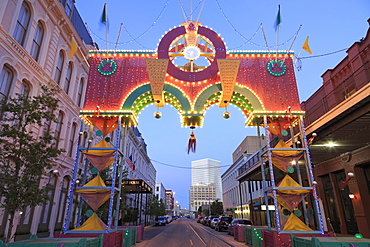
(185, 167)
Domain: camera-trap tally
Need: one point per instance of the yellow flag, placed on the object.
(306, 47)
(73, 48)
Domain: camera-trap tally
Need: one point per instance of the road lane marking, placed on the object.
(198, 235)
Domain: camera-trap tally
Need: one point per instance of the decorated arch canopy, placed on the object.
(191, 70)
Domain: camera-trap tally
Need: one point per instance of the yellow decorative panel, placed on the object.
(228, 71)
(157, 69)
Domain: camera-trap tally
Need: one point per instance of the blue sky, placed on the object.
(332, 25)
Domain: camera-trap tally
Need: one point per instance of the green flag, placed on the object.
(104, 16)
(278, 19)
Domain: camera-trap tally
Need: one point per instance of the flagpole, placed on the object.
(106, 28)
(290, 47)
(277, 41)
(277, 30)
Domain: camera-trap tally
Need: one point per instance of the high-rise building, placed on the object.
(206, 182)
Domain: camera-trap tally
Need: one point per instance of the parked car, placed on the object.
(234, 222)
(161, 221)
(199, 219)
(213, 222)
(168, 218)
(209, 219)
(223, 223)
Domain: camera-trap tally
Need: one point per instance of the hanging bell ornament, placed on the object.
(157, 114)
(226, 114)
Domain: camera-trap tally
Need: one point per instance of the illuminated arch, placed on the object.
(142, 97)
(243, 98)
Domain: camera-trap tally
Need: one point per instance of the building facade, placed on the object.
(339, 114)
(160, 191)
(202, 195)
(36, 48)
(170, 202)
(137, 165)
(206, 172)
(241, 197)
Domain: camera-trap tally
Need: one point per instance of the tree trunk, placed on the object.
(9, 235)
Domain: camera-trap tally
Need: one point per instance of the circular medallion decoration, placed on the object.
(276, 68)
(297, 212)
(170, 48)
(286, 212)
(107, 67)
(99, 132)
(191, 53)
(284, 133)
(290, 169)
(89, 213)
(94, 170)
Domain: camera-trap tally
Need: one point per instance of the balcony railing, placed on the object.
(343, 91)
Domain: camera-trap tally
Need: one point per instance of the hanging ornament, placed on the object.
(226, 113)
(192, 141)
(157, 114)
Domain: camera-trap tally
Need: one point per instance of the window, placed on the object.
(59, 68)
(6, 79)
(71, 139)
(69, 8)
(37, 40)
(22, 24)
(79, 93)
(24, 89)
(68, 78)
(58, 128)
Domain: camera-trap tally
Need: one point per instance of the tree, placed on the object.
(155, 206)
(27, 150)
(217, 208)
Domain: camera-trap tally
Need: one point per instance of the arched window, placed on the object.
(22, 24)
(58, 128)
(67, 82)
(79, 93)
(25, 89)
(6, 80)
(72, 139)
(59, 68)
(37, 40)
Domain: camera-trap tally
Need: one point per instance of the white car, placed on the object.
(213, 222)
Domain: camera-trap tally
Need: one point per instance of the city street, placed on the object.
(186, 232)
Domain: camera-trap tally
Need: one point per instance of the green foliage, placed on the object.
(200, 210)
(155, 206)
(27, 148)
(131, 215)
(217, 208)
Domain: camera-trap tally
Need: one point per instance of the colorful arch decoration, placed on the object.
(151, 77)
(260, 84)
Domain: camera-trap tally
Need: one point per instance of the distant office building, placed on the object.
(205, 172)
(206, 184)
